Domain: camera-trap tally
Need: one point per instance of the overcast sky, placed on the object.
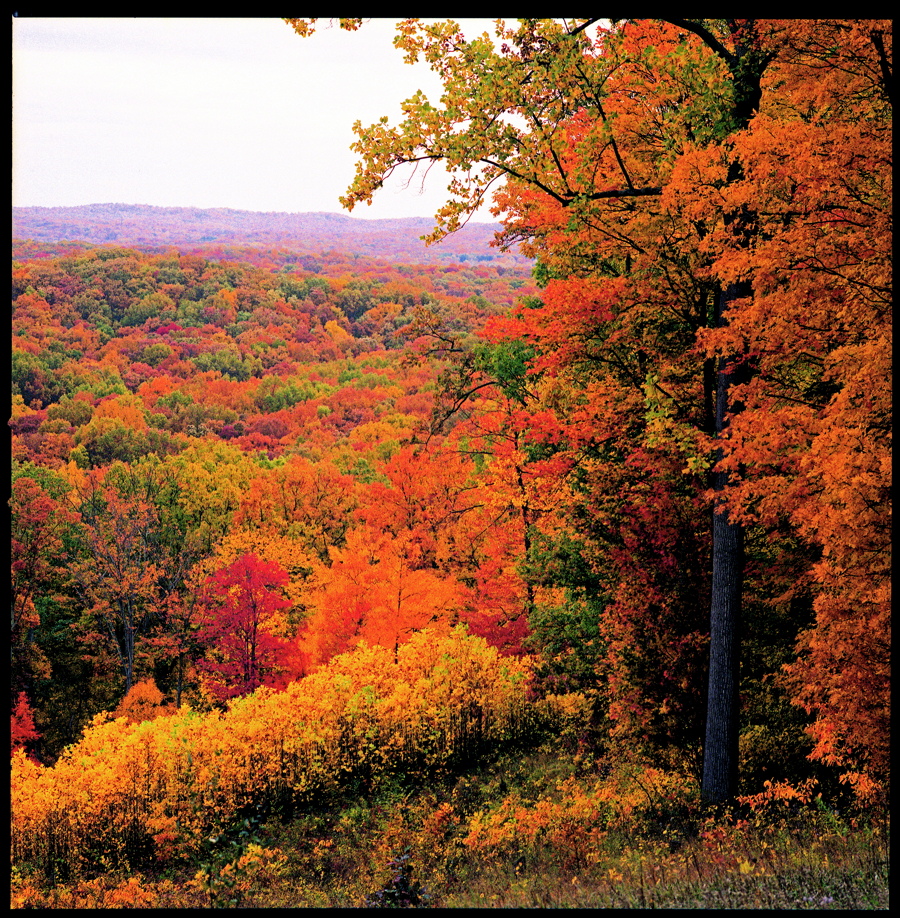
(239, 113)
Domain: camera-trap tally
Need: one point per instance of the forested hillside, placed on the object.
(344, 577)
(303, 234)
(157, 367)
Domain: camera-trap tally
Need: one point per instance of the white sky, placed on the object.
(239, 113)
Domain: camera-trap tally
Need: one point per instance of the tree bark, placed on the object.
(720, 750)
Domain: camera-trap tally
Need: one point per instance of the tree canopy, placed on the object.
(709, 201)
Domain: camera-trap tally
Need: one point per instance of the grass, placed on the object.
(858, 880)
(412, 845)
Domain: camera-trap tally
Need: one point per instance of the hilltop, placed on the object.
(141, 224)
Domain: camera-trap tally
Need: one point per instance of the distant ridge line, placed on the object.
(312, 231)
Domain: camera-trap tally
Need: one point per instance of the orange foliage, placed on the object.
(576, 821)
(373, 592)
(710, 201)
(126, 409)
(143, 702)
(815, 435)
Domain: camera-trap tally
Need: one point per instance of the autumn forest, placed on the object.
(548, 563)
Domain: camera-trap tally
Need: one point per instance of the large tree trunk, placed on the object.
(720, 751)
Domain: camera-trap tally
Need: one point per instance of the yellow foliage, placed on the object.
(337, 334)
(172, 778)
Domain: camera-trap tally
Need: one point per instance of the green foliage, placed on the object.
(76, 411)
(229, 363)
(52, 482)
(99, 382)
(101, 444)
(568, 633)
(507, 363)
(223, 862)
(276, 394)
(152, 305)
(33, 379)
(155, 354)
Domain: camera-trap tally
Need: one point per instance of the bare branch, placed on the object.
(585, 25)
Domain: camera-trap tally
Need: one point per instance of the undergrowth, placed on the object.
(533, 829)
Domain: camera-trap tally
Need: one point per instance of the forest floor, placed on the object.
(413, 846)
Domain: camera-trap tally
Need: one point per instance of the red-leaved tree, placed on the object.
(22, 729)
(243, 606)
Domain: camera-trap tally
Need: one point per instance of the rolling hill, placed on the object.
(145, 225)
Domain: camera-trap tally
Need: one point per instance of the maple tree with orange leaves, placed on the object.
(677, 242)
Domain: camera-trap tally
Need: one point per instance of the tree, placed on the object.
(135, 565)
(312, 503)
(181, 554)
(22, 729)
(612, 149)
(213, 478)
(38, 526)
(813, 441)
(143, 702)
(243, 611)
(374, 591)
(116, 578)
(486, 391)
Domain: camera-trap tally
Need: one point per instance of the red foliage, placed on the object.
(22, 729)
(243, 606)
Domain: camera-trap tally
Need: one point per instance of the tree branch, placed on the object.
(707, 37)
(886, 77)
(615, 193)
(585, 25)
